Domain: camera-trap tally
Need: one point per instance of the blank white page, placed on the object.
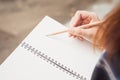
(64, 58)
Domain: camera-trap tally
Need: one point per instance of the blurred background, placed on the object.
(19, 17)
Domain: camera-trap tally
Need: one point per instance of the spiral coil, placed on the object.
(53, 62)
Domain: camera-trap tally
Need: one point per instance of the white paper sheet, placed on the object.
(74, 54)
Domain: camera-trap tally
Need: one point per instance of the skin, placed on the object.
(77, 28)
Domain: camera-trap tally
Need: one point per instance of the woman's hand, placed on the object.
(81, 33)
(77, 23)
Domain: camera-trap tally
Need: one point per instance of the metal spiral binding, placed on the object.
(53, 62)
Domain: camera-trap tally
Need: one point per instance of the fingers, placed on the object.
(81, 24)
(78, 18)
(78, 33)
(81, 34)
(75, 32)
(78, 37)
(83, 17)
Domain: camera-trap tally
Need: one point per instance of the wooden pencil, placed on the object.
(64, 31)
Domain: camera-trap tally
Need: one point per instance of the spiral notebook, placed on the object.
(39, 57)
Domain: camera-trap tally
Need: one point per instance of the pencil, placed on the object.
(56, 33)
(64, 31)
